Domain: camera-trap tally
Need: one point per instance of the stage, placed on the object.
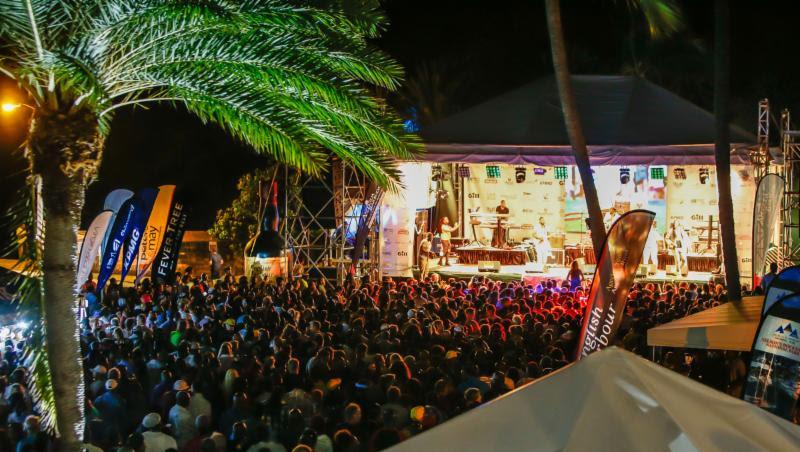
(516, 273)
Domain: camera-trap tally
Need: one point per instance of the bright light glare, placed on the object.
(23, 325)
(9, 107)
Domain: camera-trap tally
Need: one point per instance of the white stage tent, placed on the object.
(613, 400)
(729, 326)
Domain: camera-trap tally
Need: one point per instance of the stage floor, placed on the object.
(516, 273)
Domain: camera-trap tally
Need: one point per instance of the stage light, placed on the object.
(463, 171)
(560, 172)
(442, 194)
(436, 173)
(539, 171)
(679, 173)
(493, 171)
(519, 173)
(624, 175)
(657, 172)
(703, 175)
(9, 107)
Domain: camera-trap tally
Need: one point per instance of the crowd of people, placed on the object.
(303, 365)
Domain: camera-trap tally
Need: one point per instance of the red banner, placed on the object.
(616, 269)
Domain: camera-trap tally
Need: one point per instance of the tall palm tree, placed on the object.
(663, 17)
(286, 77)
(722, 145)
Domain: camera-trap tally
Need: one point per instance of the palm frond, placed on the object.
(663, 17)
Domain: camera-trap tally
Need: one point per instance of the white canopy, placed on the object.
(613, 400)
(729, 326)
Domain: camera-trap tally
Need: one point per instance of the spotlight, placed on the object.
(436, 173)
(493, 171)
(539, 171)
(657, 172)
(624, 175)
(519, 172)
(679, 173)
(442, 194)
(703, 175)
(560, 172)
(463, 171)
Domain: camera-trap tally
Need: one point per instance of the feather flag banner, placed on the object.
(147, 198)
(91, 245)
(153, 234)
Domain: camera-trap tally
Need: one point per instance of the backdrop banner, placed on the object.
(153, 233)
(166, 261)
(766, 209)
(785, 284)
(91, 245)
(146, 199)
(613, 277)
(773, 377)
(118, 233)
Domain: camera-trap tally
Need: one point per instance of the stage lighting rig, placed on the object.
(657, 172)
(624, 175)
(679, 173)
(493, 171)
(703, 176)
(540, 171)
(520, 174)
(464, 172)
(560, 172)
(436, 173)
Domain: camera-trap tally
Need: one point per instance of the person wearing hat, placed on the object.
(154, 438)
(112, 409)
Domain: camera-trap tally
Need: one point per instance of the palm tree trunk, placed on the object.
(722, 147)
(64, 150)
(572, 121)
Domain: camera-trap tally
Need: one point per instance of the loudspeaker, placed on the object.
(671, 270)
(641, 272)
(489, 266)
(534, 267)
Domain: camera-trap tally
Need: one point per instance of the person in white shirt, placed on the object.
(650, 253)
(199, 405)
(541, 241)
(154, 438)
(182, 420)
(679, 240)
(610, 217)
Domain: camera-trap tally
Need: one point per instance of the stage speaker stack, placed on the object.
(535, 267)
(489, 266)
(641, 272)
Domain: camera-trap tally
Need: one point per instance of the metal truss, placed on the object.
(318, 235)
(759, 155)
(790, 145)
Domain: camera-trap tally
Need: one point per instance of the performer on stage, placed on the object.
(610, 217)
(423, 255)
(679, 242)
(499, 234)
(445, 231)
(541, 241)
(651, 247)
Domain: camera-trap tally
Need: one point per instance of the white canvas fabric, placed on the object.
(729, 326)
(611, 401)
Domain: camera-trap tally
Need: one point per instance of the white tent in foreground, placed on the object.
(729, 326)
(611, 401)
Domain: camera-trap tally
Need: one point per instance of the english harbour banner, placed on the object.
(153, 233)
(774, 373)
(766, 208)
(146, 199)
(166, 261)
(91, 245)
(613, 277)
(119, 231)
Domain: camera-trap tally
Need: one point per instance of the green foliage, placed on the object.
(288, 77)
(239, 222)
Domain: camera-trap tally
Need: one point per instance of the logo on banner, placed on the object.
(473, 196)
(787, 329)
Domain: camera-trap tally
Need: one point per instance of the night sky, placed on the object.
(482, 48)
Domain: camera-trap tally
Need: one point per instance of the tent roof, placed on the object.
(613, 400)
(622, 116)
(729, 326)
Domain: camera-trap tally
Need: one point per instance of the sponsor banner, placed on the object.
(120, 229)
(146, 198)
(785, 284)
(113, 202)
(91, 245)
(766, 209)
(166, 261)
(774, 375)
(616, 269)
(396, 237)
(153, 233)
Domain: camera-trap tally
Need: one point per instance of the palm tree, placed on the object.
(288, 78)
(662, 17)
(722, 145)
